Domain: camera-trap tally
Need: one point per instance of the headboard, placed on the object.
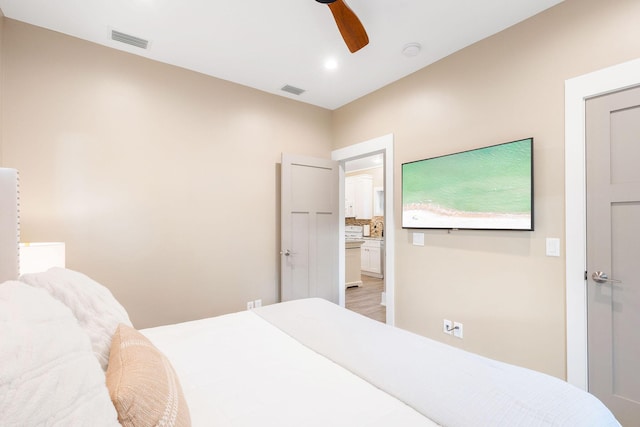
(9, 224)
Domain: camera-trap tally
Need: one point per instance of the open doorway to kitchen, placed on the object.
(380, 231)
(364, 236)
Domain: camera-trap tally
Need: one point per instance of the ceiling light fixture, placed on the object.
(331, 64)
(411, 49)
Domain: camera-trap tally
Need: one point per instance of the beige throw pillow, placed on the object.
(143, 386)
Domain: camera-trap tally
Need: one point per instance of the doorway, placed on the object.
(383, 146)
(577, 91)
(364, 223)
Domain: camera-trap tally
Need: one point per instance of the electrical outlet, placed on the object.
(257, 303)
(447, 327)
(250, 305)
(457, 330)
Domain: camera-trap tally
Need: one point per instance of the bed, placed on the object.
(300, 363)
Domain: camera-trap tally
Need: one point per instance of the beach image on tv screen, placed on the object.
(487, 188)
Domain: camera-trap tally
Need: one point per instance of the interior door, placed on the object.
(613, 251)
(309, 225)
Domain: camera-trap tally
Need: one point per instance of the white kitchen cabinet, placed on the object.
(358, 193)
(349, 197)
(372, 258)
(378, 201)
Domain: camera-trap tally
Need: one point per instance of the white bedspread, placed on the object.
(312, 363)
(239, 370)
(450, 386)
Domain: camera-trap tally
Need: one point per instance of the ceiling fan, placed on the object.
(350, 27)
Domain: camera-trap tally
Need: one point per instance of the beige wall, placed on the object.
(508, 294)
(162, 182)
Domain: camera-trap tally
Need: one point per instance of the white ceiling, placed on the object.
(268, 44)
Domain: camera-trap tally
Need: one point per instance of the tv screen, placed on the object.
(489, 188)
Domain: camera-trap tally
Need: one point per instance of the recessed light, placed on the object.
(330, 64)
(411, 49)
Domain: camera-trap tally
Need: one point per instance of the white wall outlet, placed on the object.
(447, 327)
(257, 303)
(457, 330)
(250, 305)
(418, 239)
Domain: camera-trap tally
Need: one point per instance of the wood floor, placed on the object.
(365, 299)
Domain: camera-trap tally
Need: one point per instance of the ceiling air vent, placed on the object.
(128, 39)
(292, 89)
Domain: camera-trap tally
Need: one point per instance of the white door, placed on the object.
(613, 251)
(309, 225)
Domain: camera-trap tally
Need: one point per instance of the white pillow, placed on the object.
(95, 307)
(48, 373)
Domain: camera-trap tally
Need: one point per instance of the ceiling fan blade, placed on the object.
(350, 27)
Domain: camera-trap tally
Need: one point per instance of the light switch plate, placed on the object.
(553, 246)
(418, 239)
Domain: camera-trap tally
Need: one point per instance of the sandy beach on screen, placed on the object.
(418, 215)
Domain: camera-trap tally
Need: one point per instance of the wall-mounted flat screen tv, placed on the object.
(488, 188)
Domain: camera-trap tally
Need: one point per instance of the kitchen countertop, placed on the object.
(353, 243)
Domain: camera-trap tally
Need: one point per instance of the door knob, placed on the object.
(286, 252)
(602, 277)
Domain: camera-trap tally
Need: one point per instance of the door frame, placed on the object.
(577, 91)
(384, 145)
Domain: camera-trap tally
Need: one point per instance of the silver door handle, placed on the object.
(601, 277)
(286, 252)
